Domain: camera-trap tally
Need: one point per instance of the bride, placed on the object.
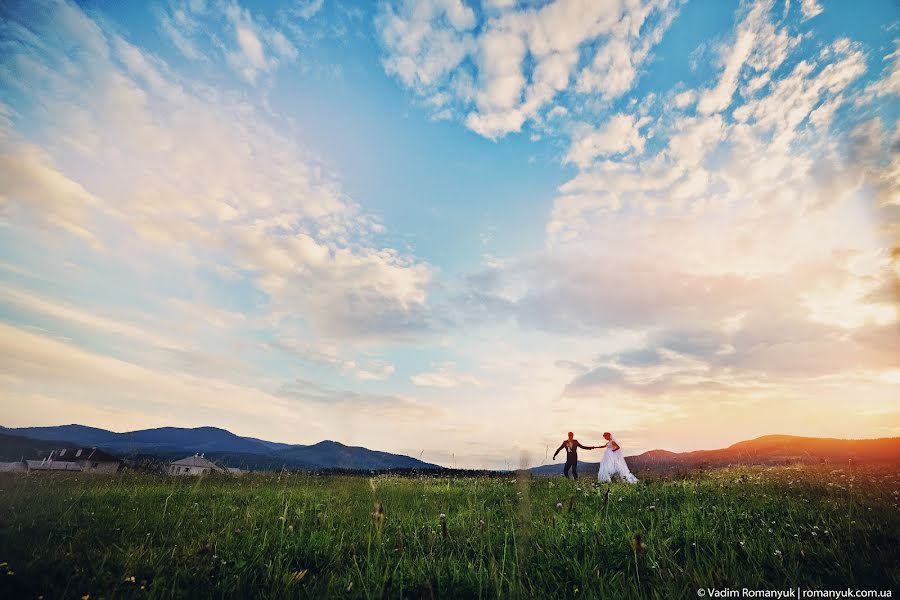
(613, 462)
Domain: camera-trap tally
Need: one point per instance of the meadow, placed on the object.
(296, 535)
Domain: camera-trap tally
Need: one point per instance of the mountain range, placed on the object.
(218, 444)
(765, 450)
(232, 450)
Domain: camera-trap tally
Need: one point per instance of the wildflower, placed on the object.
(778, 553)
(129, 579)
(481, 524)
(559, 506)
(652, 508)
(444, 532)
(639, 546)
(10, 572)
(3, 564)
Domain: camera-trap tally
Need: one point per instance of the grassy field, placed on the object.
(134, 535)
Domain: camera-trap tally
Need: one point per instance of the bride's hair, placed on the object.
(607, 434)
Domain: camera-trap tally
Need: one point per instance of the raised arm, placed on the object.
(580, 445)
(561, 446)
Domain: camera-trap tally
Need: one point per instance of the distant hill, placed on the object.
(77, 434)
(219, 444)
(162, 439)
(765, 450)
(16, 447)
(336, 455)
(779, 449)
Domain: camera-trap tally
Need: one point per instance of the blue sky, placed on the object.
(429, 226)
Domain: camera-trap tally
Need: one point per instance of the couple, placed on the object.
(613, 462)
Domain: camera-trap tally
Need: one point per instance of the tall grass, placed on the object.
(133, 535)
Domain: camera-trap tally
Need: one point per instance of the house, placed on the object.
(51, 465)
(88, 460)
(194, 465)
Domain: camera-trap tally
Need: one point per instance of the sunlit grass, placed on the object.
(283, 536)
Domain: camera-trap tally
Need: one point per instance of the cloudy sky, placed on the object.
(454, 229)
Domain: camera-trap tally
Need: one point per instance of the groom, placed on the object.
(571, 445)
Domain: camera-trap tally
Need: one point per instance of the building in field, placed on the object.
(194, 465)
(87, 460)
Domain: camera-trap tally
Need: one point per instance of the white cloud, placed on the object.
(30, 187)
(250, 47)
(793, 98)
(619, 135)
(249, 57)
(772, 199)
(444, 376)
(694, 139)
(179, 28)
(373, 370)
(35, 304)
(501, 4)
(719, 98)
(426, 49)
(422, 51)
(199, 175)
(307, 9)
(758, 45)
(888, 84)
(810, 9)
(685, 98)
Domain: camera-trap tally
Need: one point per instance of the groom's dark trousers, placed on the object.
(571, 463)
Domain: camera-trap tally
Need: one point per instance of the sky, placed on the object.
(454, 229)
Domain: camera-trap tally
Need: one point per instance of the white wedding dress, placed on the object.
(613, 464)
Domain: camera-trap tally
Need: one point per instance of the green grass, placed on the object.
(68, 535)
